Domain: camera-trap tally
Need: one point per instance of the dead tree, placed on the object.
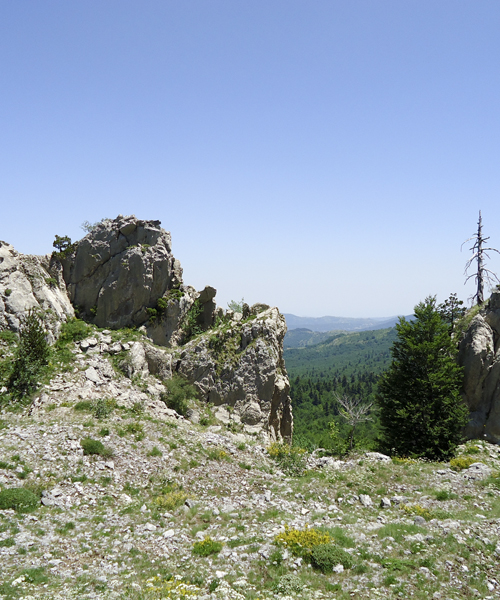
(478, 253)
(354, 411)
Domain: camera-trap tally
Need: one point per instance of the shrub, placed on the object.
(301, 542)
(73, 331)
(7, 291)
(417, 510)
(64, 246)
(19, 499)
(289, 584)
(462, 462)
(102, 408)
(193, 324)
(91, 447)
(32, 356)
(171, 500)
(207, 547)
(8, 336)
(291, 459)
(155, 452)
(179, 391)
(445, 495)
(326, 556)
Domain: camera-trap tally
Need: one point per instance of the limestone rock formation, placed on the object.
(123, 274)
(119, 270)
(479, 355)
(31, 282)
(240, 364)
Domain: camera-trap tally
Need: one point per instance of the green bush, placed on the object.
(19, 499)
(207, 547)
(326, 556)
(73, 331)
(193, 321)
(462, 462)
(8, 336)
(179, 391)
(291, 459)
(91, 447)
(32, 356)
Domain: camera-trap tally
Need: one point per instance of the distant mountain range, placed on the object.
(339, 323)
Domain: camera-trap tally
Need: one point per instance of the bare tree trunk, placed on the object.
(478, 253)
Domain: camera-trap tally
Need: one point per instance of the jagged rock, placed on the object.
(119, 270)
(28, 282)
(240, 364)
(123, 274)
(479, 355)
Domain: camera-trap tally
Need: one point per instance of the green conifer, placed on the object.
(422, 413)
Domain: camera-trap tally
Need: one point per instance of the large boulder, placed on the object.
(240, 364)
(479, 355)
(31, 282)
(119, 270)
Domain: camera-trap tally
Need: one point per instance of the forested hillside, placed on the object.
(346, 363)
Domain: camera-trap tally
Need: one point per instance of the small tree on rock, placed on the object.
(421, 410)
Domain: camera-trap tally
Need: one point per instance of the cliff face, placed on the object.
(123, 275)
(479, 354)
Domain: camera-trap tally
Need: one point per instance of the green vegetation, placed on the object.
(346, 364)
(193, 321)
(291, 459)
(63, 246)
(32, 355)
(179, 392)
(326, 556)
(95, 447)
(421, 410)
(18, 499)
(207, 547)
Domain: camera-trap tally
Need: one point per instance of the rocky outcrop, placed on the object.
(240, 364)
(119, 270)
(479, 355)
(31, 282)
(123, 275)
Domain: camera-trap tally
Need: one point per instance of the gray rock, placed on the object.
(365, 500)
(385, 503)
(119, 269)
(479, 355)
(249, 375)
(28, 282)
(477, 471)
(377, 456)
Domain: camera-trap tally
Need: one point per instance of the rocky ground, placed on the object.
(170, 508)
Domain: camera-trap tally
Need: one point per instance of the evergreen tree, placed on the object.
(31, 357)
(421, 409)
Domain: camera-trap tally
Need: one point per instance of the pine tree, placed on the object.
(31, 357)
(421, 410)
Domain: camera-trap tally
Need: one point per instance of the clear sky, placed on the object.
(325, 156)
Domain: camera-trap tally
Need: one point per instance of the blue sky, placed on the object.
(327, 157)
